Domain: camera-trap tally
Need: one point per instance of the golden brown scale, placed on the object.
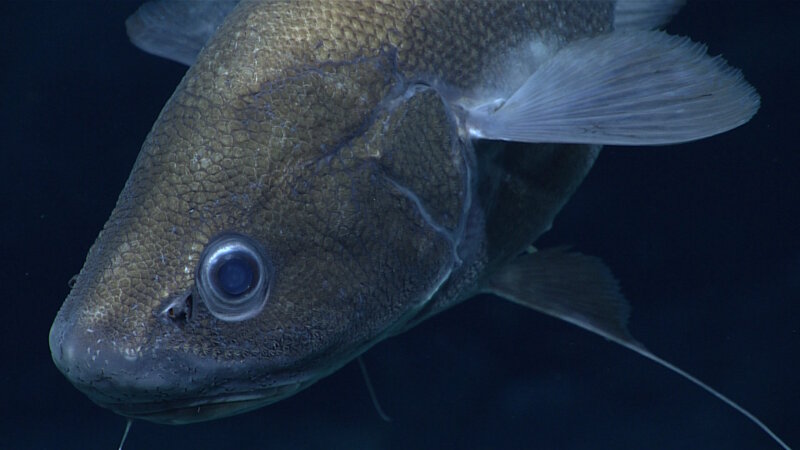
(321, 152)
(281, 131)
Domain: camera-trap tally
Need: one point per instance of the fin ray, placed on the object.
(644, 15)
(570, 286)
(581, 290)
(623, 88)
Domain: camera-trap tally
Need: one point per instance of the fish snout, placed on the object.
(128, 382)
(93, 365)
(158, 386)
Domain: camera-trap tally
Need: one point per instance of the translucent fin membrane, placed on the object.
(176, 29)
(581, 290)
(623, 88)
(644, 15)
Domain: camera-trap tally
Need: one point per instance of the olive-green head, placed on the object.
(276, 224)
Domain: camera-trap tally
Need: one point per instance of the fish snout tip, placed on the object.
(90, 363)
(71, 350)
(61, 357)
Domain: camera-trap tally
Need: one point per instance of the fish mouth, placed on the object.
(192, 414)
(180, 400)
(169, 387)
(181, 404)
(192, 410)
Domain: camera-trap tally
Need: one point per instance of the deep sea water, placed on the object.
(704, 238)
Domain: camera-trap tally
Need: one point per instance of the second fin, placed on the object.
(581, 290)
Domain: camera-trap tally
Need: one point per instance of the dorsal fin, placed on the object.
(176, 29)
(581, 290)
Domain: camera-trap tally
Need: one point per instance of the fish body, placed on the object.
(330, 174)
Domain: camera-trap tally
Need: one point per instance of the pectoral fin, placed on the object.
(581, 290)
(570, 286)
(622, 88)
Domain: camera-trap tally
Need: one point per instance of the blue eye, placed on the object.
(234, 277)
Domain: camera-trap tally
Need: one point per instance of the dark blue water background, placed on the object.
(704, 238)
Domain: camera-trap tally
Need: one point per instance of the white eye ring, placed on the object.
(234, 277)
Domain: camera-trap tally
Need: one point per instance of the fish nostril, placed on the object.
(179, 310)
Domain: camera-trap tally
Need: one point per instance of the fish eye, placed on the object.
(234, 277)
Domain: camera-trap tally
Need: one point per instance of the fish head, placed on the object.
(275, 225)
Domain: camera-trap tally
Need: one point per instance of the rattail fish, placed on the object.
(329, 174)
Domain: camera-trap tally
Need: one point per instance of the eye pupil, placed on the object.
(235, 276)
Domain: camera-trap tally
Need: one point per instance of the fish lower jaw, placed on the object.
(192, 410)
